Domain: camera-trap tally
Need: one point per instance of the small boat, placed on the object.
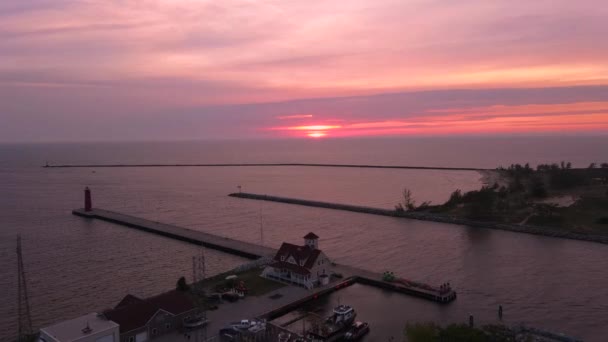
(358, 330)
(284, 337)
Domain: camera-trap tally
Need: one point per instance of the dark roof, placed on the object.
(132, 316)
(128, 300)
(299, 253)
(175, 302)
(311, 235)
(132, 312)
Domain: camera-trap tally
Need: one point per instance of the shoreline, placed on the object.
(490, 177)
(528, 229)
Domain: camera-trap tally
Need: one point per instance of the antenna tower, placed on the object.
(23, 301)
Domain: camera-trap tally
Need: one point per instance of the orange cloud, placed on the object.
(583, 116)
(310, 128)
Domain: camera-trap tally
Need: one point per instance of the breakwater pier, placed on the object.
(240, 248)
(364, 166)
(350, 274)
(423, 216)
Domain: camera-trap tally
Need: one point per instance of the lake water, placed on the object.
(75, 266)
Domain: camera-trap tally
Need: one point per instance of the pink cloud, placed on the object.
(231, 68)
(296, 116)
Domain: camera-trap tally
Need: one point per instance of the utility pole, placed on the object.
(199, 272)
(261, 228)
(23, 302)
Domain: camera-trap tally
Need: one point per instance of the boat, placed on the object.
(343, 315)
(335, 326)
(356, 331)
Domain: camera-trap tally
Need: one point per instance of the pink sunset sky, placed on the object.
(186, 69)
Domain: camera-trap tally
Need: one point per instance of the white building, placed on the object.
(89, 328)
(299, 265)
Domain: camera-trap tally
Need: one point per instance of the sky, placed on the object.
(197, 69)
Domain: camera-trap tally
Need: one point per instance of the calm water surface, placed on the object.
(75, 266)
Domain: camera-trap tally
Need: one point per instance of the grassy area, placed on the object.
(255, 284)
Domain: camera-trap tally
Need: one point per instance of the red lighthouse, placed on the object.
(88, 204)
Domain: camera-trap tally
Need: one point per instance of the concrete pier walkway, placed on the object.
(240, 248)
(253, 251)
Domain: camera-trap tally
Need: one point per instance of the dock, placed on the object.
(350, 274)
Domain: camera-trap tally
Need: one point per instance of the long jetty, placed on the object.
(240, 248)
(365, 166)
(252, 251)
(528, 229)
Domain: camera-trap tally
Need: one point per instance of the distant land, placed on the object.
(552, 200)
(552, 195)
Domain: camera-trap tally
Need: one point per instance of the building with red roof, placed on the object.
(299, 265)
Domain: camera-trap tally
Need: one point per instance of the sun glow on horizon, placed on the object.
(312, 131)
(316, 134)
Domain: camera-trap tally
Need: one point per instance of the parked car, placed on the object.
(243, 324)
(229, 334)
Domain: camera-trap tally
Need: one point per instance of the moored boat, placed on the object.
(335, 326)
(342, 315)
(356, 331)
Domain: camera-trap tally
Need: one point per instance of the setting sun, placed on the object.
(316, 134)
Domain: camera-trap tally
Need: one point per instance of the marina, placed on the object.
(148, 264)
(348, 274)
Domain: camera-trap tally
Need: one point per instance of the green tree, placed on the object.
(461, 333)
(408, 202)
(537, 188)
(182, 285)
(422, 332)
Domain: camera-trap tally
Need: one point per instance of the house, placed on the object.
(144, 319)
(299, 265)
(88, 328)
